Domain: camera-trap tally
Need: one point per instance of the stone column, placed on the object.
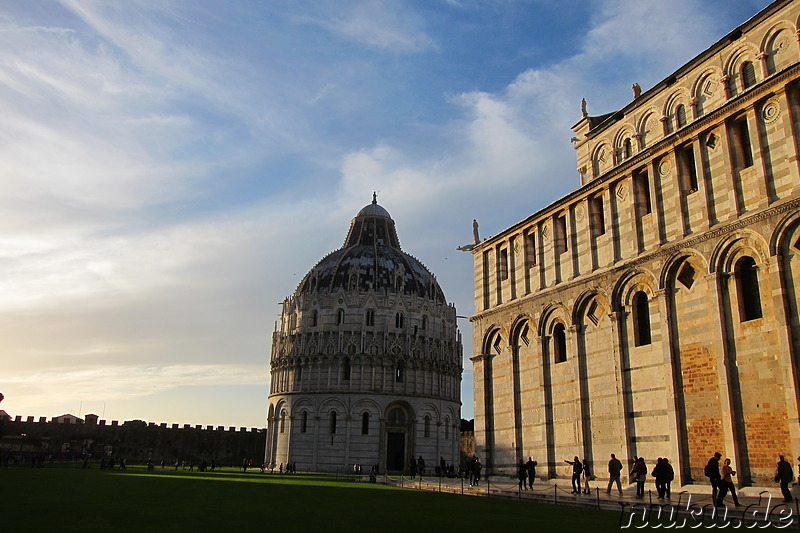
(786, 353)
(718, 284)
(671, 381)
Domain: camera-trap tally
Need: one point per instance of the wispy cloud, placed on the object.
(382, 24)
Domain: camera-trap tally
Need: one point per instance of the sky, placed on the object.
(169, 171)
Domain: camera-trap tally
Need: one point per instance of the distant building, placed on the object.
(366, 362)
(68, 437)
(653, 311)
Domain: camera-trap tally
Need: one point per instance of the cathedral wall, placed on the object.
(663, 292)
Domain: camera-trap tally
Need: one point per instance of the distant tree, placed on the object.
(467, 425)
(1, 396)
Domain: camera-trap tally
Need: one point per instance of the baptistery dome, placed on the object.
(371, 260)
(366, 359)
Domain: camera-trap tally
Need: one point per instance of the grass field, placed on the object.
(71, 499)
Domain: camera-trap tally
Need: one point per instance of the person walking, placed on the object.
(421, 466)
(784, 474)
(614, 472)
(726, 484)
(478, 467)
(668, 477)
(587, 475)
(522, 474)
(531, 467)
(639, 472)
(659, 473)
(712, 472)
(577, 470)
(412, 468)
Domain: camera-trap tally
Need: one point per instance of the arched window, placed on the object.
(365, 424)
(314, 318)
(559, 343)
(370, 317)
(627, 149)
(304, 422)
(446, 428)
(399, 320)
(400, 372)
(353, 282)
(332, 427)
(746, 274)
(680, 116)
(641, 319)
(424, 322)
(427, 426)
(340, 317)
(748, 74)
(283, 421)
(346, 369)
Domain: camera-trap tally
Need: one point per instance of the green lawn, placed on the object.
(71, 499)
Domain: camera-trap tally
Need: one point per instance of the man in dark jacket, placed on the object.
(614, 471)
(712, 473)
(577, 470)
(784, 474)
(531, 467)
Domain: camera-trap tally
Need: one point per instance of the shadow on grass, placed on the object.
(93, 500)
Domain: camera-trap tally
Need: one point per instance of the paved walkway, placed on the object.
(756, 502)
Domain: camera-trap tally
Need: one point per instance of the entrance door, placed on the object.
(395, 451)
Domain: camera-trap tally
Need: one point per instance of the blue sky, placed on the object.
(170, 170)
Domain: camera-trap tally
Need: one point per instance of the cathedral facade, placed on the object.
(366, 360)
(653, 311)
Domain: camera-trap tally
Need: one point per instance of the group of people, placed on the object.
(720, 474)
(721, 478)
(526, 473)
(580, 472)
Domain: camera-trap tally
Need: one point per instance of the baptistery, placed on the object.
(366, 360)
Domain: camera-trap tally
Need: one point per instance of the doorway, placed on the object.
(395, 451)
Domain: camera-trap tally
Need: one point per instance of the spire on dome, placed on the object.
(374, 197)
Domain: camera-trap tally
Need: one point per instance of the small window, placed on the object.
(298, 374)
(687, 168)
(742, 151)
(641, 319)
(747, 284)
(561, 234)
(641, 185)
(370, 317)
(283, 421)
(424, 322)
(346, 369)
(332, 427)
(627, 149)
(680, 116)
(340, 317)
(596, 215)
(400, 372)
(531, 244)
(314, 318)
(353, 283)
(446, 428)
(399, 320)
(304, 422)
(559, 343)
(503, 265)
(427, 426)
(365, 424)
(748, 74)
